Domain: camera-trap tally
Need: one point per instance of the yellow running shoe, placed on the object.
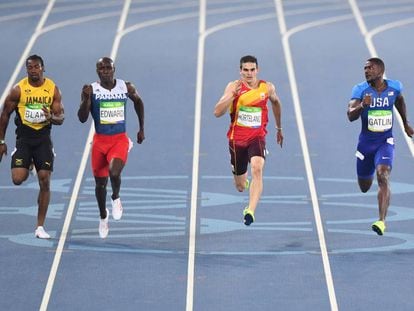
(248, 216)
(247, 184)
(378, 227)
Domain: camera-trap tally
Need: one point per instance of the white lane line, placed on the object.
(316, 10)
(158, 21)
(121, 27)
(78, 181)
(23, 4)
(78, 20)
(196, 153)
(189, 15)
(196, 144)
(321, 22)
(389, 26)
(197, 125)
(400, 9)
(193, 218)
(335, 19)
(7, 18)
(26, 52)
(368, 35)
(369, 38)
(237, 22)
(71, 8)
(305, 150)
(250, 7)
(358, 17)
(152, 22)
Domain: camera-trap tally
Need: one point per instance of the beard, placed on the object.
(34, 78)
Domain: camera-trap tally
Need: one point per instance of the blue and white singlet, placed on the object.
(377, 119)
(109, 108)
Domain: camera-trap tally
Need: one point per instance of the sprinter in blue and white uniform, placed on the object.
(373, 101)
(106, 100)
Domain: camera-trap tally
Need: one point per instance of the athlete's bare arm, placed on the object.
(356, 106)
(56, 114)
(277, 111)
(402, 110)
(139, 109)
(10, 105)
(230, 93)
(85, 104)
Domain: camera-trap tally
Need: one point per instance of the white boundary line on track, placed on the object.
(91, 132)
(193, 216)
(203, 33)
(79, 177)
(196, 154)
(308, 164)
(26, 51)
(193, 219)
(56, 10)
(368, 35)
(7, 18)
(389, 26)
(158, 21)
(368, 39)
(90, 18)
(18, 5)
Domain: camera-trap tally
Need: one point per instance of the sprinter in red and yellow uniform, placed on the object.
(38, 104)
(246, 100)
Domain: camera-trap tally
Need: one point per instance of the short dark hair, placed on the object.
(377, 61)
(35, 57)
(105, 59)
(248, 59)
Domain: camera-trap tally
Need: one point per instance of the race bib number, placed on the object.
(379, 120)
(250, 117)
(34, 114)
(112, 112)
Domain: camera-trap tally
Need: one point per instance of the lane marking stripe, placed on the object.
(78, 181)
(306, 156)
(196, 151)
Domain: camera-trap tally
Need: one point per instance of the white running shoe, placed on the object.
(41, 233)
(32, 169)
(116, 209)
(104, 226)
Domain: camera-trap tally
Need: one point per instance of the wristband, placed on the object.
(2, 142)
(279, 128)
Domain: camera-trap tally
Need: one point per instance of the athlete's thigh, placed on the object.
(365, 163)
(239, 158)
(22, 154)
(98, 161)
(43, 155)
(385, 153)
(257, 148)
(119, 149)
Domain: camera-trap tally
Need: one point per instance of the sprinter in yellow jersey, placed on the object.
(246, 101)
(38, 104)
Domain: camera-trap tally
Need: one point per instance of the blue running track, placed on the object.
(181, 244)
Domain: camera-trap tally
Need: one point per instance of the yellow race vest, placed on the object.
(32, 99)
